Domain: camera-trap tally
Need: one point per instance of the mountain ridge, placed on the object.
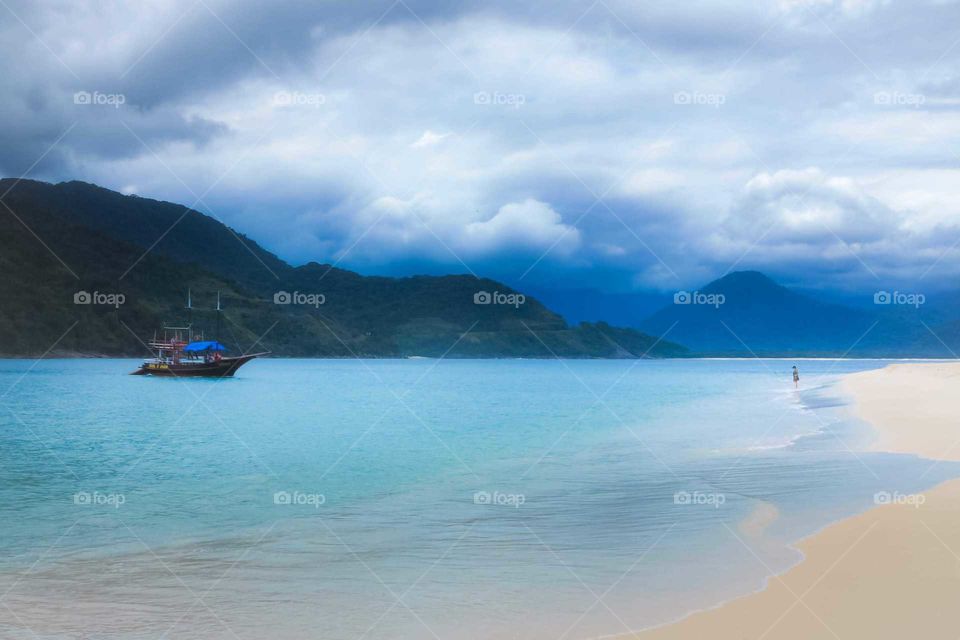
(746, 313)
(152, 251)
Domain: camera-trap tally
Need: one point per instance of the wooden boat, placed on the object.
(207, 368)
(182, 353)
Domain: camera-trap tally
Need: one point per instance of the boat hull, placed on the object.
(223, 368)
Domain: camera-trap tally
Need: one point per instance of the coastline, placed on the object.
(910, 407)
(79, 355)
(890, 572)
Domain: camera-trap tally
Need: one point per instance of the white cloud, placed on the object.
(803, 221)
(804, 206)
(429, 139)
(846, 8)
(527, 224)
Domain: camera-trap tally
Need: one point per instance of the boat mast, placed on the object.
(217, 336)
(189, 317)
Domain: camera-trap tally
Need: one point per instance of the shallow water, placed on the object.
(417, 498)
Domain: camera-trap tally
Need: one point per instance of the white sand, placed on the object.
(893, 572)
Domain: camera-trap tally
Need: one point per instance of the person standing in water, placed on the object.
(796, 377)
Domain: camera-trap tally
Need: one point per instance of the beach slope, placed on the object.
(892, 572)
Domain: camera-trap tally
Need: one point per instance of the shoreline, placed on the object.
(105, 356)
(888, 572)
(915, 423)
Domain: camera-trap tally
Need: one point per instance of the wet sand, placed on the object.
(892, 572)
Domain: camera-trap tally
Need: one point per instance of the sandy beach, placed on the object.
(912, 406)
(892, 572)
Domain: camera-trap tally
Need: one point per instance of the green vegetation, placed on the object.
(100, 234)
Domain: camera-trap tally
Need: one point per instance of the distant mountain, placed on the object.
(746, 313)
(592, 305)
(67, 239)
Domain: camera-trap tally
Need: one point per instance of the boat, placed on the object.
(183, 353)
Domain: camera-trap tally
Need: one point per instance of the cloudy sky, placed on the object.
(612, 144)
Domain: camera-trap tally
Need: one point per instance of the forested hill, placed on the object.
(135, 259)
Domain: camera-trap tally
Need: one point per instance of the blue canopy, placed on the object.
(206, 345)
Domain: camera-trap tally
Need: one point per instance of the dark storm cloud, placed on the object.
(620, 143)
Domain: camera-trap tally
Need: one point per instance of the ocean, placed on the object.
(417, 498)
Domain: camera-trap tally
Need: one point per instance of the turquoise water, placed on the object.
(417, 498)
